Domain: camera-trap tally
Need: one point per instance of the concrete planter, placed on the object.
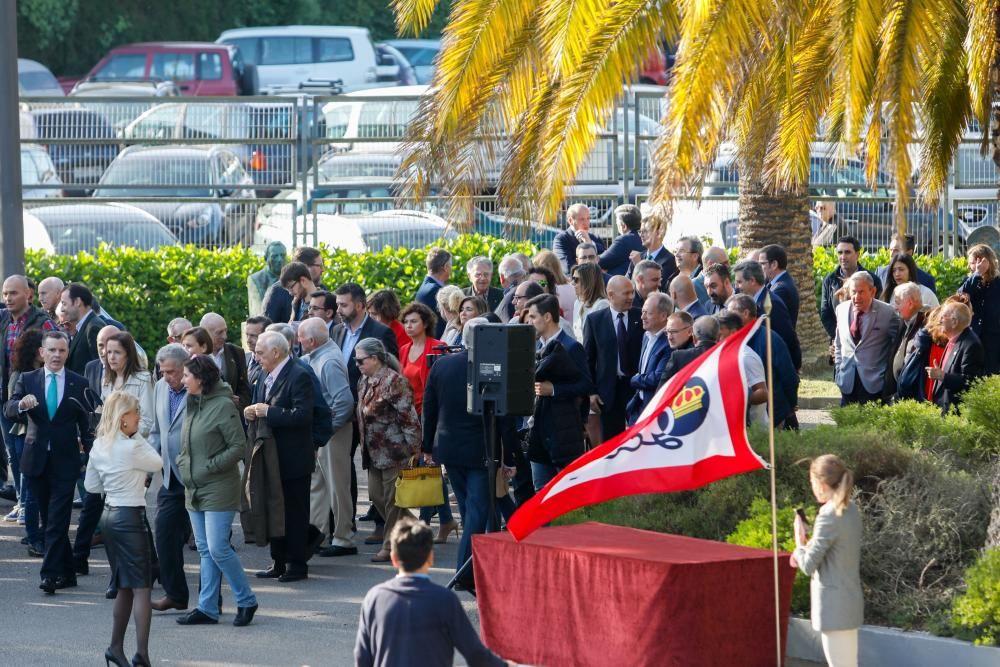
(885, 646)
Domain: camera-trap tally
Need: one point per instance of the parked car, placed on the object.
(118, 111)
(210, 173)
(35, 80)
(198, 68)
(364, 232)
(77, 228)
(37, 170)
(285, 56)
(421, 53)
(259, 125)
(35, 235)
(393, 68)
(77, 164)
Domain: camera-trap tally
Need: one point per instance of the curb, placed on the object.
(885, 646)
(819, 403)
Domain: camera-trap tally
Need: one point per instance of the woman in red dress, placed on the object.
(418, 320)
(384, 307)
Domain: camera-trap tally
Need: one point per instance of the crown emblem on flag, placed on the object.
(687, 400)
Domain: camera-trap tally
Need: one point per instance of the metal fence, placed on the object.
(308, 169)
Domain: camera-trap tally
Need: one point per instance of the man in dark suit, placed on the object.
(653, 356)
(652, 240)
(685, 297)
(750, 280)
(51, 400)
(480, 270)
(356, 325)
(905, 245)
(284, 398)
(646, 278)
(615, 260)
(77, 304)
(705, 333)
(963, 360)
(231, 359)
(774, 260)
(438, 273)
(577, 231)
(613, 340)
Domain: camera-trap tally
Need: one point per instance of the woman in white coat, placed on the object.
(832, 558)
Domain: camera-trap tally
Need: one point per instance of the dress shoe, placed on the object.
(369, 515)
(375, 538)
(273, 572)
(36, 551)
(196, 617)
(334, 550)
(82, 567)
(444, 531)
(78, 504)
(48, 585)
(166, 604)
(293, 575)
(244, 615)
(139, 660)
(111, 593)
(381, 557)
(65, 582)
(24, 541)
(118, 660)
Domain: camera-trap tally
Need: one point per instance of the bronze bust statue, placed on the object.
(276, 256)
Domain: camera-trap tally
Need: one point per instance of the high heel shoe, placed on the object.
(445, 530)
(140, 661)
(110, 657)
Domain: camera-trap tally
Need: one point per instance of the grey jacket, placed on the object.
(165, 436)
(327, 361)
(871, 356)
(832, 559)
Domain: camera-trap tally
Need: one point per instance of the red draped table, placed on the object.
(593, 594)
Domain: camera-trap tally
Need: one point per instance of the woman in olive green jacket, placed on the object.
(212, 444)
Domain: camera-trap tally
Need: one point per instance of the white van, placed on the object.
(286, 56)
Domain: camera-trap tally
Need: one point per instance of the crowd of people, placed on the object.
(271, 428)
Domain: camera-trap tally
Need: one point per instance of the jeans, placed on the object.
(443, 511)
(29, 504)
(472, 490)
(12, 453)
(211, 534)
(542, 474)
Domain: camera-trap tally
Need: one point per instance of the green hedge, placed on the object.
(146, 289)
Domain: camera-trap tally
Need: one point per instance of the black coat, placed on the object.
(494, 295)
(52, 442)
(680, 358)
(290, 417)
(600, 340)
(83, 348)
(781, 324)
(564, 246)
(964, 364)
(277, 304)
(785, 289)
(234, 373)
(450, 433)
(556, 435)
(370, 329)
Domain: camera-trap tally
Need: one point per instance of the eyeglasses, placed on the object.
(674, 332)
(317, 309)
(517, 297)
(359, 360)
(317, 266)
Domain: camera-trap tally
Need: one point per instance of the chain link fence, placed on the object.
(307, 169)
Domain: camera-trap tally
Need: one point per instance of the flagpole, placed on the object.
(774, 502)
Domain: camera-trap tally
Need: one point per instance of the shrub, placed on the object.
(922, 529)
(146, 289)
(981, 408)
(978, 609)
(755, 531)
(919, 425)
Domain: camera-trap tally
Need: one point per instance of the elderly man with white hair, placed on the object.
(49, 292)
(577, 231)
(330, 491)
(230, 358)
(964, 358)
(907, 299)
(176, 329)
(863, 344)
(512, 274)
(480, 271)
(284, 399)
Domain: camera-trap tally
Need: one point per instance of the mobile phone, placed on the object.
(802, 514)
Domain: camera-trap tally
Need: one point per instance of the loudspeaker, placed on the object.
(501, 368)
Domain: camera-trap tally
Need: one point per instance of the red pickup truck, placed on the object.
(198, 68)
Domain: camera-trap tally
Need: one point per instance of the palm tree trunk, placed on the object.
(783, 218)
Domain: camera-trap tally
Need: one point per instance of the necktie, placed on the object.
(856, 326)
(622, 344)
(268, 381)
(52, 396)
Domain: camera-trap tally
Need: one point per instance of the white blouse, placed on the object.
(119, 468)
(580, 312)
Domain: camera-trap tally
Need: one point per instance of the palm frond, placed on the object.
(566, 28)
(854, 57)
(984, 28)
(412, 16)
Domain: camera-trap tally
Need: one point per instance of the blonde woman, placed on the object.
(449, 303)
(832, 558)
(983, 289)
(120, 461)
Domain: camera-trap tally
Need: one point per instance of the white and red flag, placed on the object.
(692, 433)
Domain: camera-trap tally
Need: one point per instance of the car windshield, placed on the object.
(417, 55)
(190, 177)
(86, 236)
(37, 81)
(403, 238)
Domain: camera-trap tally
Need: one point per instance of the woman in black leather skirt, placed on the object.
(120, 462)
